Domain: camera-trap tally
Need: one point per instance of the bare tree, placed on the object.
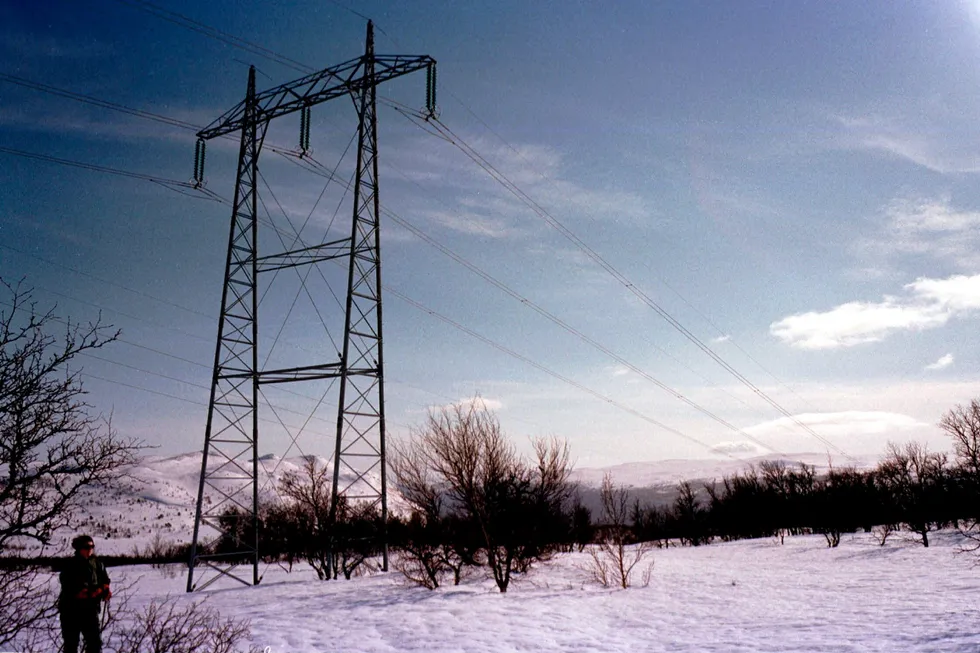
(689, 516)
(614, 558)
(914, 476)
(435, 543)
(511, 503)
(309, 489)
(962, 424)
(51, 446)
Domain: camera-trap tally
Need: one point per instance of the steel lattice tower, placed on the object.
(229, 466)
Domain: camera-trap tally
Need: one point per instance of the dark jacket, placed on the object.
(84, 584)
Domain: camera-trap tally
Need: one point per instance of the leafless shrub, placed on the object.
(27, 609)
(613, 559)
(970, 530)
(882, 532)
(167, 626)
(420, 566)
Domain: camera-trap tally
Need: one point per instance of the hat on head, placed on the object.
(81, 542)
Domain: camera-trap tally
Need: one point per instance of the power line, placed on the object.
(554, 319)
(107, 282)
(721, 332)
(476, 157)
(433, 313)
(556, 224)
(452, 138)
(98, 102)
(170, 184)
(216, 34)
(122, 108)
(417, 232)
(565, 326)
(552, 373)
(526, 302)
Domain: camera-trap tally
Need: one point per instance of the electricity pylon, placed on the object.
(229, 465)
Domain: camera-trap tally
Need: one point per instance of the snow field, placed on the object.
(751, 596)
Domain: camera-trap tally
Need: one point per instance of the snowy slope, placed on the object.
(157, 497)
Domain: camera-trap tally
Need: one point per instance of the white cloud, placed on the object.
(840, 427)
(931, 228)
(721, 339)
(740, 447)
(942, 363)
(958, 293)
(855, 433)
(854, 323)
(927, 304)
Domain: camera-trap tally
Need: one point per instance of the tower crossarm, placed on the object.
(344, 79)
(308, 255)
(305, 373)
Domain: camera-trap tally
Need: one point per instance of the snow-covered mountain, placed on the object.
(157, 497)
(671, 472)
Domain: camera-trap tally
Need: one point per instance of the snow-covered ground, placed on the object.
(750, 596)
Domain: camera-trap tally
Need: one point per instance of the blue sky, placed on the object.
(795, 185)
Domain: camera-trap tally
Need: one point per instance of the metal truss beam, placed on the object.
(229, 464)
(349, 78)
(360, 447)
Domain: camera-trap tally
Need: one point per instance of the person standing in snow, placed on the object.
(84, 587)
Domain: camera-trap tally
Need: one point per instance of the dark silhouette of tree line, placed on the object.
(911, 489)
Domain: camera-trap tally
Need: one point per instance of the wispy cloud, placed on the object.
(926, 304)
(941, 364)
(721, 339)
(929, 140)
(930, 228)
(490, 210)
(478, 402)
(473, 224)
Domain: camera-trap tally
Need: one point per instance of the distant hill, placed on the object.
(655, 483)
(158, 495)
